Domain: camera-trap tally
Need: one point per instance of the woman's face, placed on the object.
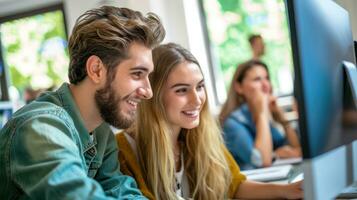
(256, 79)
(184, 96)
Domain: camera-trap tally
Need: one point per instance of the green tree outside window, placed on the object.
(230, 22)
(35, 50)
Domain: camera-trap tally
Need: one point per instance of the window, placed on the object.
(229, 24)
(34, 48)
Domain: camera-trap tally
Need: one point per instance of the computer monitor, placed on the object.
(321, 39)
(355, 45)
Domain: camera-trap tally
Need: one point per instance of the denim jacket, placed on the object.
(47, 153)
(239, 135)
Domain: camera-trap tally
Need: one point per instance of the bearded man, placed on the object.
(60, 146)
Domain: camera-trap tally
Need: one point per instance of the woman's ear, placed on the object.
(238, 87)
(96, 71)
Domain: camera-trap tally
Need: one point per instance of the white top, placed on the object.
(178, 177)
(182, 187)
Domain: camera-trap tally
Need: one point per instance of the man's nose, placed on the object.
(146, 91)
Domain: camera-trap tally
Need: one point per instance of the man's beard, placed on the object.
(109, 108)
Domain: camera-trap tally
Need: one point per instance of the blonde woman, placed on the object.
(176, 149)
(253, 124)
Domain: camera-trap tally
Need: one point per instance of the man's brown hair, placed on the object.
(107, 32)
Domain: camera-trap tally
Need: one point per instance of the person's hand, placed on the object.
(294, 190)
(273, 106)
(276, 111)
(258, 103)
(287, 152)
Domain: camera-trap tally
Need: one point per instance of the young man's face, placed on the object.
(118, 100)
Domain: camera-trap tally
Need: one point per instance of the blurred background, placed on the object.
(34, 33)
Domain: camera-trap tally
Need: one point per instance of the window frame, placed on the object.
(5, 75)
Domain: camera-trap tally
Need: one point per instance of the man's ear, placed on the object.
(96, 71)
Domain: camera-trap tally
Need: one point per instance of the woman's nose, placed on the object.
(196, 100)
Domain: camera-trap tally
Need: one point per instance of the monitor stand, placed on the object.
(349, 192)
(325, 176)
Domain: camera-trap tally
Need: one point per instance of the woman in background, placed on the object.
(255, 129)
(176, 149)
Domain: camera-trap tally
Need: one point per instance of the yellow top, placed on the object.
(130, 166)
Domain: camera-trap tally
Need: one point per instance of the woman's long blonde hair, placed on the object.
(205, 163)
(235, 100)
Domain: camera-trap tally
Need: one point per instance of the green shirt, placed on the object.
(47, 153)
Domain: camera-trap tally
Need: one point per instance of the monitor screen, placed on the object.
(321, 39)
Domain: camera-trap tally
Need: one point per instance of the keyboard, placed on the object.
(297, 178)
(286, 161)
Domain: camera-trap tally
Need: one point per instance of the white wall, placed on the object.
(73, 8)
(8, 7)
(171, 12)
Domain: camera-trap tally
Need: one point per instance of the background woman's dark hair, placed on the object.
(107, 32)
(234, 100)
(245, 67)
